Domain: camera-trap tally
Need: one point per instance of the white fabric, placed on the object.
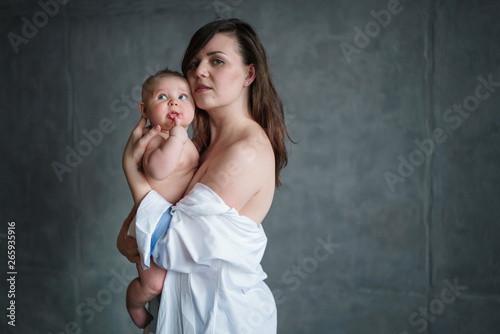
(131, 228)
(214, 282)
(153, 304)
(149, 213)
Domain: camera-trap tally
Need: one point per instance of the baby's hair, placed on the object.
(150, 83)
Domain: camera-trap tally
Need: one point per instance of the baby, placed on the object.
(169, 163)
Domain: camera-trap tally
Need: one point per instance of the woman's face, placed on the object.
(217, 75)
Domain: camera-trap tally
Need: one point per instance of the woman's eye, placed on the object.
(162, 97)
(217, 62)
(194, 64)
(183, 97)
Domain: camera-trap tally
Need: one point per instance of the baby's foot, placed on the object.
(140, 316)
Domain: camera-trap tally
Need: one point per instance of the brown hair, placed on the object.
(266, 107)
(150, 83)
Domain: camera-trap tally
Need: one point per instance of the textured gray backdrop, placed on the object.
(388, 214)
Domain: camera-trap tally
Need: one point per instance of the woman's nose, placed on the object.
(201, 70)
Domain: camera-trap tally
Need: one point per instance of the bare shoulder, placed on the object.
(242, 173)
(253, 153)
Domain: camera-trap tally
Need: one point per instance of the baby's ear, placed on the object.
(142, 108)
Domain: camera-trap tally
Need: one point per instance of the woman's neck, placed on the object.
(227, 123)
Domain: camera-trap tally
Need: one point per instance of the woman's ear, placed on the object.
(142, 108)
(250, 75)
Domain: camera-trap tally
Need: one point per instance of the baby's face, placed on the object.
(170, 99)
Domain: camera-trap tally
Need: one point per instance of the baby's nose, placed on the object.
(173, 102)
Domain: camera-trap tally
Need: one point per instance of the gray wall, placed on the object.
(400, 233)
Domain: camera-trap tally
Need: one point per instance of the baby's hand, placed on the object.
(179, 132)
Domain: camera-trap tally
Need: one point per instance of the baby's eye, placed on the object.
(183, 97)
(162, 97)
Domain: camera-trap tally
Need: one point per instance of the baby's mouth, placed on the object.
(173, 114)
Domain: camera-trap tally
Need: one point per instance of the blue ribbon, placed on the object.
(161, 228)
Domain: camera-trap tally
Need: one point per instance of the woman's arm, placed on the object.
(126, 245)
(132, 157)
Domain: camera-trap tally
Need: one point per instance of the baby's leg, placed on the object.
(141, 290)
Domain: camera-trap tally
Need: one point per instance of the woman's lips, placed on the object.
(200, 88)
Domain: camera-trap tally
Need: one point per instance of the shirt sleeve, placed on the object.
(196, 242)
(152, 220)
(203, 231)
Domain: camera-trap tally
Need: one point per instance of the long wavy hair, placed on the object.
(266, 107)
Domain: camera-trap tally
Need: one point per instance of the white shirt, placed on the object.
(214, 282)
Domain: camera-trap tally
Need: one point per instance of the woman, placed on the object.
(213, 247)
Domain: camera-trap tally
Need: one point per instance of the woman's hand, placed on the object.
(132, 164)
(132, 159)
(126, 244)
(137, 143)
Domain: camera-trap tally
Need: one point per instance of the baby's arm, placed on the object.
(162, 161)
